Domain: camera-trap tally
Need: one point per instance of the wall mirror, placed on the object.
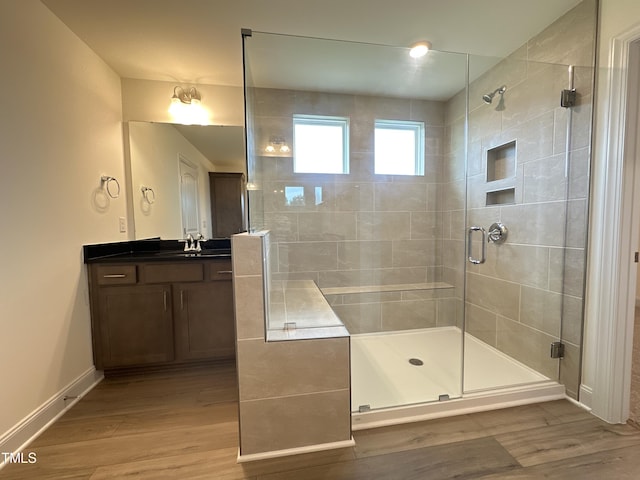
(168, 169)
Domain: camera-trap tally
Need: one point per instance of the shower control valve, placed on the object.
(497, 233)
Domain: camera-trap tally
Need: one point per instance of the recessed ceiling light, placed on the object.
(420, 49)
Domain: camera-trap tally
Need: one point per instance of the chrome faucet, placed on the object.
(199, 238)
(188, 244)
(193, 244)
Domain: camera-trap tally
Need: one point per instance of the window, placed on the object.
(399, 147)
(320, 144)
(294, 196)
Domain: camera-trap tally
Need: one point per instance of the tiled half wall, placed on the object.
(294, 394)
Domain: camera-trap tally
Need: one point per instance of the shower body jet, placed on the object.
(488, 97)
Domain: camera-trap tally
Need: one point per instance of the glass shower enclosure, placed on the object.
(439, 204)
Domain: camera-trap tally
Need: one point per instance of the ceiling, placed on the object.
(222, 145)
(200, 42)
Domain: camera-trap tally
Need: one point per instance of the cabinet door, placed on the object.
(204, 320)
(136, 325)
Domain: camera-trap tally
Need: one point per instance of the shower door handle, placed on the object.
(482, 259)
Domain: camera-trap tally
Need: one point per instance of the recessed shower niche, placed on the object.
(505, 196)
(501, 162)
(501, 165)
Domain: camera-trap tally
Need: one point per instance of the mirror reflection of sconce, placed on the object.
(277, 144)
(111, 185)
(148, 194)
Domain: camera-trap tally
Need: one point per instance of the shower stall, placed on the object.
(438, 205)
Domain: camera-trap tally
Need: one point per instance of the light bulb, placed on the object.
(285, 148)
(420, 49)
(270, 149)
(175, 106)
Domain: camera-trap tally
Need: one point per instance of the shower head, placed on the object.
(488, 97)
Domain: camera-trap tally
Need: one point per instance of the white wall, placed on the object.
(60, 129)
(154, 163)
(616, 18)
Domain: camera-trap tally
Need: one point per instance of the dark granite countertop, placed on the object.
(155, 250)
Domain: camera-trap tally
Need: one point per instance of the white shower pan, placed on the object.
(389, 388)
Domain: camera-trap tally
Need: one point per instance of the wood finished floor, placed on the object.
(184, 425)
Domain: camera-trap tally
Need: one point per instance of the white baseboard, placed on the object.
(252, 457)
(578, 403)
(586, 394)
(21, 435)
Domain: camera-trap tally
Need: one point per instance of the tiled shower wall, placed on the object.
(358, 228)
(529, 291)
(365, 229)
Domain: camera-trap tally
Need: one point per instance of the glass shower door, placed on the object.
(527, 186)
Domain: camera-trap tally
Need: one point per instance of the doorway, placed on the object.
(189, 196)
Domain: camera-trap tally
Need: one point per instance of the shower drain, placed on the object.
(416, 361)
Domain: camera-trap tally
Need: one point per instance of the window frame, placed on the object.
(415, 126)
(323, 120)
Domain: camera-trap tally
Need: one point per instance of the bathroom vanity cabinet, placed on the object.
(134, 326)
(148, 313)
(196, 305)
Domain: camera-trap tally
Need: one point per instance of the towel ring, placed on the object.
(148, 194)
(107, 182)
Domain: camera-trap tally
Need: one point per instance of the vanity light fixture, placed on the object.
(188, 97)
(186, 106)
(277, 144)
(420, 49)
